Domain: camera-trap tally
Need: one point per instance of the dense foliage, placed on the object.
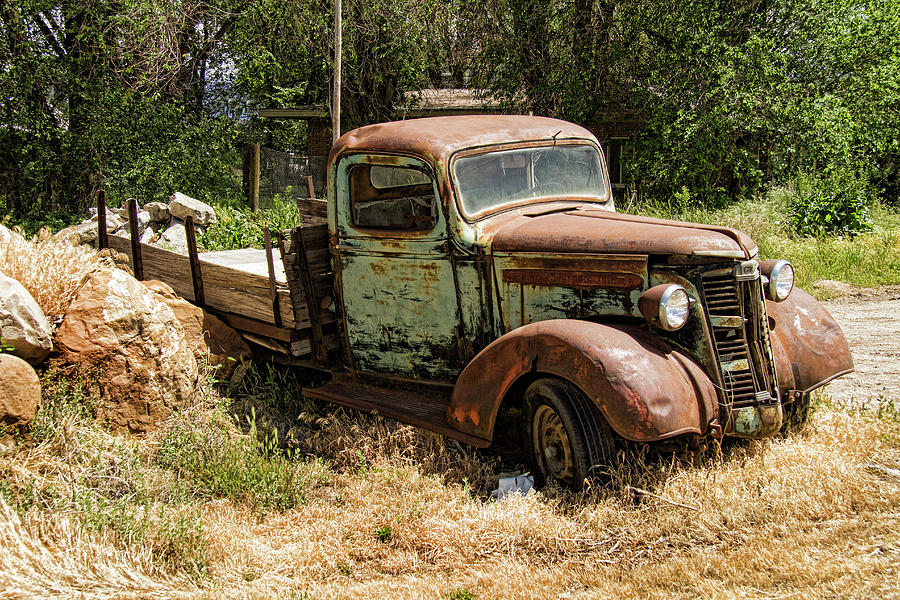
(146, 96)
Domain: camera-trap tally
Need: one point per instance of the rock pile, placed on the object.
(158, 223)
(137, 345)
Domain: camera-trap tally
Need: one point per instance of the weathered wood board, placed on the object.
(236, 285)
(248, 260)
(227, 288)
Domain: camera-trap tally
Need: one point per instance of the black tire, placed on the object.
(566, 438)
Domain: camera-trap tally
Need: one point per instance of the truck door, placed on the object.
(393, 268)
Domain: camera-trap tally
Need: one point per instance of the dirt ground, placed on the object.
(871, 322)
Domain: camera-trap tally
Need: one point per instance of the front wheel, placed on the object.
(567, 439)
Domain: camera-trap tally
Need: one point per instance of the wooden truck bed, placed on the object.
(277, 297)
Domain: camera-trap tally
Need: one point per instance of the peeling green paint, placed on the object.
(397, 291)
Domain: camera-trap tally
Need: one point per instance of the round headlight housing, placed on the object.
(666, 306)
(780, 275)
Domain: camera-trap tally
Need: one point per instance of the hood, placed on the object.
(593, 230)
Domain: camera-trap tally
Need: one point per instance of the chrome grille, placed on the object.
(741, 378)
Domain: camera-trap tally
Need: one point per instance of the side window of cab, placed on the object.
(392, 197)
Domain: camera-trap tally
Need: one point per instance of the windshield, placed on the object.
(495, 180)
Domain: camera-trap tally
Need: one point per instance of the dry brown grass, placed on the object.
(52, 271)
(799, 517)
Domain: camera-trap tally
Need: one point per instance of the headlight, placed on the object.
(780, 276)
(666, 306)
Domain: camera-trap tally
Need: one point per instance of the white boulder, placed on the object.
(22, 322)
(158, 211)
(181, 206)
(174, 238)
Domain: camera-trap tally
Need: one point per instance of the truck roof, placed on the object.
(439, 137)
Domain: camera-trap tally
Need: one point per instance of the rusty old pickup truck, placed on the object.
(477, 263)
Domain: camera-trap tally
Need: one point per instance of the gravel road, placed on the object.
(871, 321)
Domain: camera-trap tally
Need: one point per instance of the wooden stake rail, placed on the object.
(282, 307)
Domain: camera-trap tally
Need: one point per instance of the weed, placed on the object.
(461, 594)
(238, 227)
(51, 271)
(362, 464)
(66, 401)
(384, 533)
(344, 568)
(215, 462)
(275, 386)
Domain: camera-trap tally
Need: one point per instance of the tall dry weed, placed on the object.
(354, 442)
(814, 515)
(45, 555)
(52, 271)
(798, 517)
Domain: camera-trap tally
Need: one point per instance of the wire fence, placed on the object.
(282, 175)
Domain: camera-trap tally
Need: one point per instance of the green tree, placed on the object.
(733, 94)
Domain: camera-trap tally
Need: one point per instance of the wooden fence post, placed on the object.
(101, 221)
(254, 178)
(196, 274)
(136, 262)
(273, 290)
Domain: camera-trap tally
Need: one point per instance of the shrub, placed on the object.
(239, 227)
(834, 204)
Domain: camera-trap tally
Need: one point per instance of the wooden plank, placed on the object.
(226, 289)
(304, 346)
(297, 112)
(312, 303)
(248, 260)
(234, 291)
(310, 188)
(250, 325)
(230, 289)
(311, 207)
(170, 267)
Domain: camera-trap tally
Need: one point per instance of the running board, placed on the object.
(425, 410)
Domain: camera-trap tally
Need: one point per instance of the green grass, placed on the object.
(869, 259)
(215, 462)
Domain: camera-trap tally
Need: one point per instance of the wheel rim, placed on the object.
(551, 445)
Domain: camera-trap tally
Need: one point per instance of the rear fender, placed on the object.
(809, 347)
(646, 390)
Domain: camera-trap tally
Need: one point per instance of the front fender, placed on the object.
(646, 390)
(809, 347)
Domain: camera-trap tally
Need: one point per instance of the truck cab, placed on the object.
(479, 262)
